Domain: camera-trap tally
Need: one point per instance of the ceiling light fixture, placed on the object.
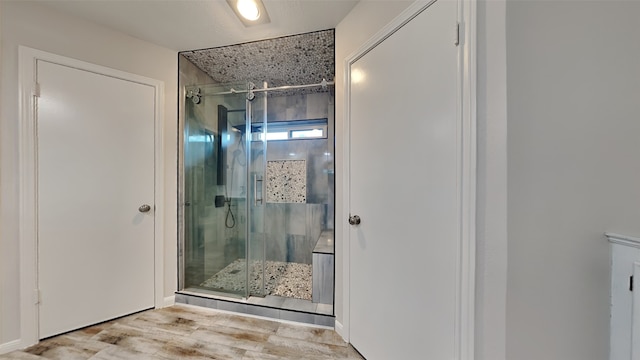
(250, 12)
(248, 9)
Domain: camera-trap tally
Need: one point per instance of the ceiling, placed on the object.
(196, 24)
(292, 60)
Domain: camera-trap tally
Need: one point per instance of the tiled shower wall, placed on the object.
(292, 229)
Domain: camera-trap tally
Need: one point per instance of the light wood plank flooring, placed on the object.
(193, 333)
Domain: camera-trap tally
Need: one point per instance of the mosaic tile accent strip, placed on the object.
(290, 60)
(283, 279)
(287, 181)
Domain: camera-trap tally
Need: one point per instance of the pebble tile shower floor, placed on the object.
(282, 278)
(187, 332)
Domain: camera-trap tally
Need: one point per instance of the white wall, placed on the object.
(573, 83)
(24, 23)
(3, 267)
(364, 21)
(571, 73)
(491, 223)
(573, 80)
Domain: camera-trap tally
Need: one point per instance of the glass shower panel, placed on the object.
(215, 191)
(257, 143)
(194, 155)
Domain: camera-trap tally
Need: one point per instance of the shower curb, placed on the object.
(240, 306)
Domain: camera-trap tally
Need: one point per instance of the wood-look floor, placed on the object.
(187, 332)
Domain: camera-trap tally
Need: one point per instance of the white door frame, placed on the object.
(28, 226)
(465, 294)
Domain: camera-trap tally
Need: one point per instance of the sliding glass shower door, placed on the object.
(223, 180)
(257, 143)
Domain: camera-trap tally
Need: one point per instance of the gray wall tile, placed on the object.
(263, 311)
(231, 306)
(323, 278)
(324, 320)
(297, 316)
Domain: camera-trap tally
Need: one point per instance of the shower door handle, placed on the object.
(257, 199)
(354, 220)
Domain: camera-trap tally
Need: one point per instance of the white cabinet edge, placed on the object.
(623, 240)
(635, 313)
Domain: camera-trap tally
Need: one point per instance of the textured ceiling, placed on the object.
(293, 60)
(196, 24)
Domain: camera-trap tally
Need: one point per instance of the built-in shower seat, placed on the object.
(322, 267)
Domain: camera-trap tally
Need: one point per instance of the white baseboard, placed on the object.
(169, 301)
(341, 331)
(10, 346)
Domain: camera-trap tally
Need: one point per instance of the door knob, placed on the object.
(354, 220)
(144, 208)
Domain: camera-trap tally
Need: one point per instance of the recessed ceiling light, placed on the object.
(248, 9)
(250, 12)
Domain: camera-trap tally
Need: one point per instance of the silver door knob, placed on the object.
(354, 220)
(144, 208)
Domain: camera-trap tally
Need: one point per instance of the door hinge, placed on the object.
(456, 41)
(35, 91)
(36, 296)
(631, 283)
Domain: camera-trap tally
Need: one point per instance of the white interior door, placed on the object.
(95, 155)
(404, 184)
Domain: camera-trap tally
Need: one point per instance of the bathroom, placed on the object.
(256, 177)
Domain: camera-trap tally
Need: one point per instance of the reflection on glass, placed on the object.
(302, 134)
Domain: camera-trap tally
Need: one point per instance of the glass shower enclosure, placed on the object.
(223, 181)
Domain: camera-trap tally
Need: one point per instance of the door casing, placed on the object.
(28, 90)
(465, 277)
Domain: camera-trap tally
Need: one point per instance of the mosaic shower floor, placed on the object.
(282, 279)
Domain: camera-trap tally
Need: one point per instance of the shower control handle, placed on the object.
(257, 199)
(354, 220)
(144, 208)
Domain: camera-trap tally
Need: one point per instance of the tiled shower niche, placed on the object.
(286, 181)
